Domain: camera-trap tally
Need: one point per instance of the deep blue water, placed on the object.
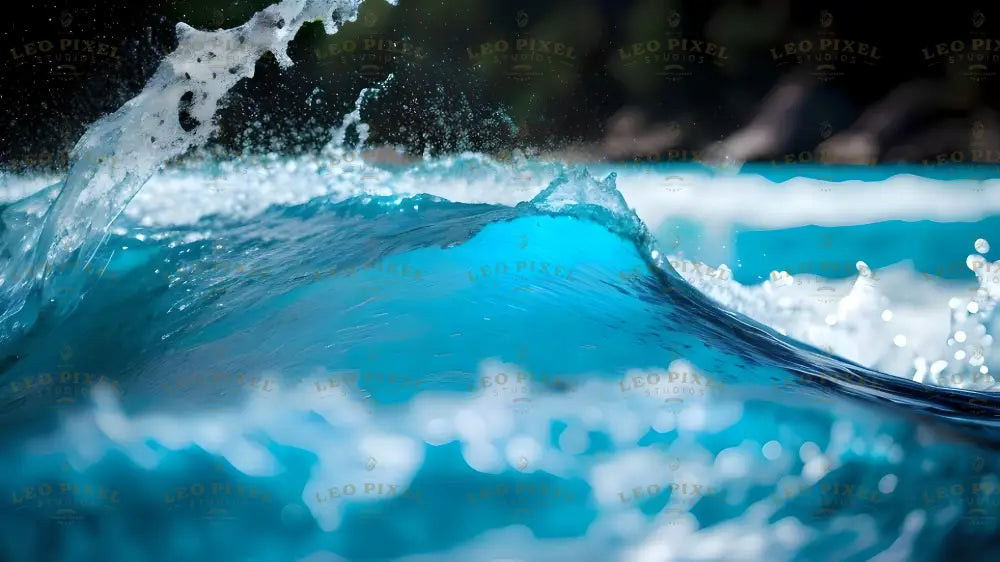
(411, 378)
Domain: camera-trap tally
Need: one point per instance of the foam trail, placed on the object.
(172, 114)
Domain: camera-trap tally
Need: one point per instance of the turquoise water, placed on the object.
(408, 377)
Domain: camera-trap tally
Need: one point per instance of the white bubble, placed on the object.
(470, 425)
(523, 451)
(899, 340)
(888, 483)
(960, 336)
(438, 431)
(960, 354)
(982, 246)
(973, 307)
(887, 315)
(482, 457)
(808, 450)
(771, 450)
(732, 463)
(816, 468)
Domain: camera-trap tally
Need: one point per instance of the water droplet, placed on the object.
(772, 450)
(888, 483)
(982, 246)
(960, 336)
(887, 315)
(899, 340)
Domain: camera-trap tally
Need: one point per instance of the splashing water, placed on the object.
(858, 324)
(173, 113)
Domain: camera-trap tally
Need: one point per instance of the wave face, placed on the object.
(369, 375)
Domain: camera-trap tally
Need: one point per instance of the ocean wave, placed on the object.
(323, 358)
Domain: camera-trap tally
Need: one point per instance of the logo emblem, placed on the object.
(825, 19)
(978, 406)
(521, 18)
(978, 19)
(674, 406)
(674, 515)
(825, 130)
(674, 184)
(978, 129)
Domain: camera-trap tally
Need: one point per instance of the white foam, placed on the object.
(176, 197)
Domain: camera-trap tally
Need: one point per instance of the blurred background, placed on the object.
(765, 80)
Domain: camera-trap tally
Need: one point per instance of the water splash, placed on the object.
(174, 112)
